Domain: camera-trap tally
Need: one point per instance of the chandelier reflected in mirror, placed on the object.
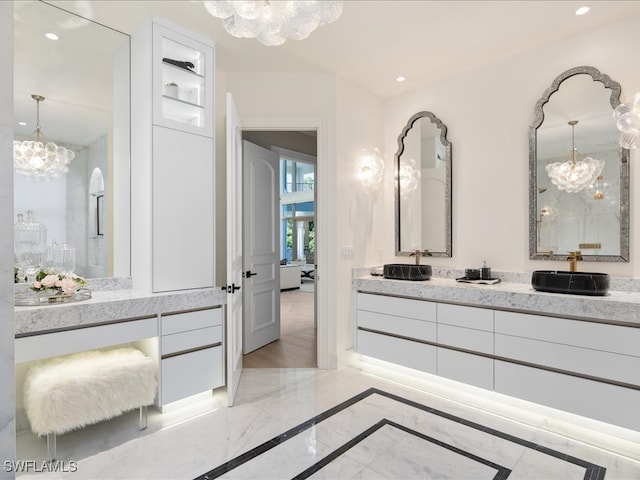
(574, 175)
(38, 159)
(272, 22)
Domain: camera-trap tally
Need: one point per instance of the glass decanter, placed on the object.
(30, 245)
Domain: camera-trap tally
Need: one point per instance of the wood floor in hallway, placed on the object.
(297, 345)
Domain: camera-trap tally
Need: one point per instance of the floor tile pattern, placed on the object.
(387, 433)
(339, 424)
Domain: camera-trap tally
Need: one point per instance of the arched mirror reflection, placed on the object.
(82, 70)
(423, 187)
(579, 174)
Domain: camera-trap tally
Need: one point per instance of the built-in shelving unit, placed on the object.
(173, 156)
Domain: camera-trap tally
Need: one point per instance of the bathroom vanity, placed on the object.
(571, 352)
(182, 331)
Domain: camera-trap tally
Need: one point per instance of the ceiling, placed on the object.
(370, 44)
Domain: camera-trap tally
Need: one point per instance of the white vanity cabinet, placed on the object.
(396, 330)
(172, 158)
(191, 353)
(583, 366)
(465, 333)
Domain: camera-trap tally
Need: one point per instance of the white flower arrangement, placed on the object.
(66, 283)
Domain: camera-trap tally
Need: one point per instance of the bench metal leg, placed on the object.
(51, 446)
(142, 423)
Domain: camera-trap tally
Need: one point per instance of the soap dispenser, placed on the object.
(485, 272)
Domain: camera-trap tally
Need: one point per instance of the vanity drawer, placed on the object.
(609, 403)
(44, 345)
(402, 307)
(182, 322)
(397, 350)
(190, 374)
(469, 317)
(178, 342)
(406, 327)
(466, 338)
(598, 336)
(594, 363)
(466, 368)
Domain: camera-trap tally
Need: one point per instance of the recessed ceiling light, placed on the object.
(400, 78)
(51, 36)
(582, 10)
(22, 124)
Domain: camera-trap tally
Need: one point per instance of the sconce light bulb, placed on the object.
(370, 168)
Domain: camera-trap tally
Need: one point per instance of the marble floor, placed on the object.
(338, 424)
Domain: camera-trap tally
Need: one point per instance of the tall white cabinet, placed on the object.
(172, 158)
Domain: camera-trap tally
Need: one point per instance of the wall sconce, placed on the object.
(628, 122)
(370, 168)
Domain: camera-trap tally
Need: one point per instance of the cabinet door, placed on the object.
(182, 94)
(396, 350)
(465, 368)
(183, 213)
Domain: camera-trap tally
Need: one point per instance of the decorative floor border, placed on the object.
(592, 471)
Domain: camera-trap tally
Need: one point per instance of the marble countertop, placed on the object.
(110, 305)
(617, 306)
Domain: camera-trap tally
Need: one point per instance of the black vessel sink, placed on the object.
(577, 283)
(404, 271)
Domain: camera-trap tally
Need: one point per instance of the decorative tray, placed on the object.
(488, 281)
(30, 299)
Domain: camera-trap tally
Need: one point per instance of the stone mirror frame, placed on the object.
(594, 220)
(423, 187)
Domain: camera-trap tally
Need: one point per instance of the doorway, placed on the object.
(297, 345)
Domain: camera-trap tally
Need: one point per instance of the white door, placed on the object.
(234, 250)
(261, 199)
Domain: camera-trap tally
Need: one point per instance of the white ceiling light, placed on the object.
(582, 10)
(39, 160)
(574, 175)
(272, 22)
(51, 36)
(400, 78)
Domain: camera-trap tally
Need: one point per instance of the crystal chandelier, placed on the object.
(273, 21)
(574, 175)
(37, 159)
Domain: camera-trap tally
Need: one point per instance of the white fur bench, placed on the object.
(69, 392)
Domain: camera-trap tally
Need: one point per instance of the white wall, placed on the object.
(351, 120)
(488, 112)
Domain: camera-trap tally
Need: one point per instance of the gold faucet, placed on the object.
(417, 254)
(573, 260)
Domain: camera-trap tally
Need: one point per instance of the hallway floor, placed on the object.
(308, 423)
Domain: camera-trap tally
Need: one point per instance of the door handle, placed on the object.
(231, 288)
(249, 274)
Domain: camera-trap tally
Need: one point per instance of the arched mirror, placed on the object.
(83, 73)
(578, 173)
(423, 187)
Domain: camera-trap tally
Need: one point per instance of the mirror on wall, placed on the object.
(423, 187)
(578, 173)
(81, 68)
